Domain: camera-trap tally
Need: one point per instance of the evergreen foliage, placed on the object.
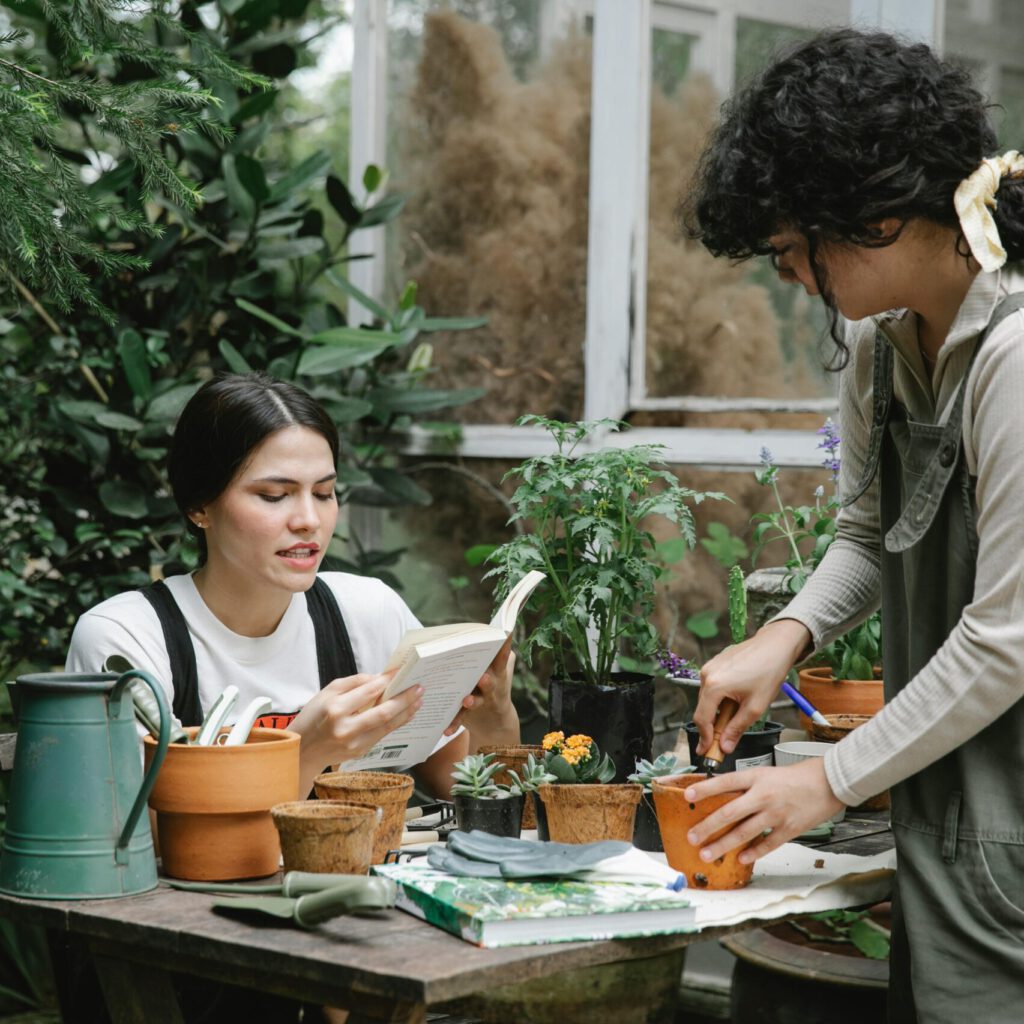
(249, 276)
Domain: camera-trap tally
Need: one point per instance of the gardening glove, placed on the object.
(482, 855)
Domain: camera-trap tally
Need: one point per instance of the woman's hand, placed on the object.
(488, 711)
(784, 802)
(343, 721)
(750, 673)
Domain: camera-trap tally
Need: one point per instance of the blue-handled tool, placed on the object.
(804, 705)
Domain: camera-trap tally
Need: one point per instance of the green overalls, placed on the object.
(958, 923)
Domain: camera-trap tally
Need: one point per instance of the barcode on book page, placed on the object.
(390, 753)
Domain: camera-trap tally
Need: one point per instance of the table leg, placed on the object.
(137, 993)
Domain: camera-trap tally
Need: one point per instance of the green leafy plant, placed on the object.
(585, 513)
(534, 775)
(853, 927)
(474, 776)
(661, 766)
(576, 759)
(808, 531)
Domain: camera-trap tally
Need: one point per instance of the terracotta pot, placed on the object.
(213, 805)
(676, 816)
(514, 758)
(386, 790)
(585, 813)
(326, 835)
(839, 696)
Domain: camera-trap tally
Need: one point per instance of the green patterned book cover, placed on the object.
(494, 912)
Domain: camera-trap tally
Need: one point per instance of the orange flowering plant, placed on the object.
(576, 759)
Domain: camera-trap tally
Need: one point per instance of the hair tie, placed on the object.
(975, 198)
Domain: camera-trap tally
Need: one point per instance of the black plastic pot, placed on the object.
(754, 750)
(618, 716)
(542, 818)
(501, 816)
(646, 833)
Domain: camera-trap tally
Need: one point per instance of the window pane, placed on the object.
(489, 136)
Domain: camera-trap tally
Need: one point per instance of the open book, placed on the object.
(447, 661)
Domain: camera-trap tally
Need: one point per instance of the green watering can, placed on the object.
(76, 822)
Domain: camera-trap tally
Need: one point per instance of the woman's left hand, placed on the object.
(787, 801)
(492, 695)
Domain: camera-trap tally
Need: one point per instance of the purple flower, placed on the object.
(766, 457)
(830, 445)
(678, 667)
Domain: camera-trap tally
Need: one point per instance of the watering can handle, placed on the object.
(121, 851)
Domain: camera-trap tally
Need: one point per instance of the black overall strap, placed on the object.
(333, 648)
(180, 652)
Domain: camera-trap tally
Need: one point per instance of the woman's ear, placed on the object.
(888, 229)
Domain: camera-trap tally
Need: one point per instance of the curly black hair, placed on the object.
(841, 132)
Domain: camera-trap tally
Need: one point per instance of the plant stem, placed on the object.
(790, 536)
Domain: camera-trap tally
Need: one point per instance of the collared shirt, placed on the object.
(979, 672)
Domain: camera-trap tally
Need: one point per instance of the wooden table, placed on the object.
(387, 968)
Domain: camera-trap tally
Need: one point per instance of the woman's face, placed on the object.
(863, 281)
(272, 524)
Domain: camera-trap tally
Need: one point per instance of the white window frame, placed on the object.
(617, 264)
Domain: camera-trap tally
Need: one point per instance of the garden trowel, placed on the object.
(714, 757)
(356, 895)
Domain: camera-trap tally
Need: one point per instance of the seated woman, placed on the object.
(252, 466)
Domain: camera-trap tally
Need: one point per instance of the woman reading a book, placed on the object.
(252, 467)
(868, 169)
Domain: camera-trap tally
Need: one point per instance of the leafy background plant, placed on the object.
(587, 513)
(239, 265)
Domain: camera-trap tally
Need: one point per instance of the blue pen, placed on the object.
(804, 705)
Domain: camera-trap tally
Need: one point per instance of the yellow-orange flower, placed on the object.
(572, 756)
(579, 741)
(553, 739)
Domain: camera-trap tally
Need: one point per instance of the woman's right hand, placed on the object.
(343, 721)
(749, 673)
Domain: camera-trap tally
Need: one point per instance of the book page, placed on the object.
(505, 617)
(446, 675)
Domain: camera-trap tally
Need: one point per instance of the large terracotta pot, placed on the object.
(586, 813)
(833, 696)
(676, 816)
(514, 759)
(213, 804)
(386, 790)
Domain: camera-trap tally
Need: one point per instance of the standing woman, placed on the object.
(253, 466)
(866, 168)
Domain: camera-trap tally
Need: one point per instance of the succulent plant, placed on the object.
(533, 777)
(474, 776)
(576, 759)
(662, 765)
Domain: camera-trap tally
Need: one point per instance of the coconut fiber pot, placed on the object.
(583, 813)
(514, 759)
(676, 816)
(326, 835)
(213, 805)
(390, 792)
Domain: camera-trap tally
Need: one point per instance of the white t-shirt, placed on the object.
(282, 666)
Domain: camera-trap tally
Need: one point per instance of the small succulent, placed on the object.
(663, 764)
(474, 776)
(576, 759)
(533, 777)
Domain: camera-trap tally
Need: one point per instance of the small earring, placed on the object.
(202, 524)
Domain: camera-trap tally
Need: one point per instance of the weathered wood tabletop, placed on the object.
(385, 968)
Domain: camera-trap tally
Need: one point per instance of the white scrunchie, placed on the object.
(974, 200)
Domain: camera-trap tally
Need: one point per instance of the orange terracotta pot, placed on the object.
(833, 696)
(326, 835)
(386, 790)
(213, 805)
(586, 813)
(514, 759)
(676, 816)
